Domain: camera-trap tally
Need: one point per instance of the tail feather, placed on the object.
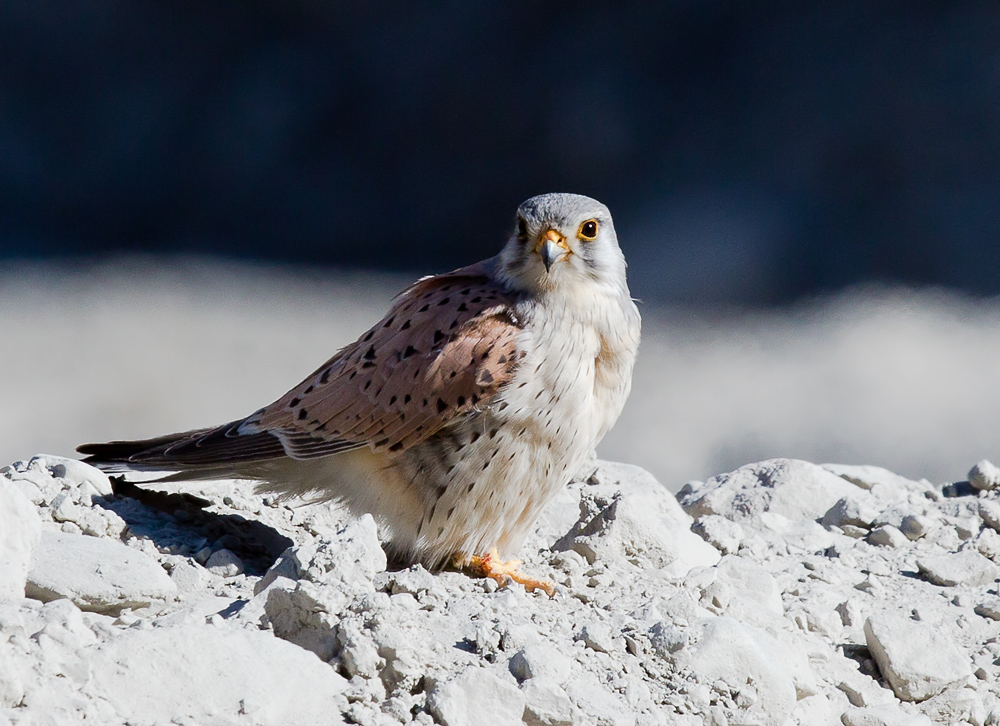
(202, 449)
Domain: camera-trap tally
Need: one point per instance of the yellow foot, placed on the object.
(496, 569)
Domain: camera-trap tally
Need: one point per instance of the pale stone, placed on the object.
(20, 533)
(888, 536)
(474, 697)
(984, 476)
(967, 567)
(916, 659)
(97, 574)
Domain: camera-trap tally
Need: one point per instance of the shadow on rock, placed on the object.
(178, 523)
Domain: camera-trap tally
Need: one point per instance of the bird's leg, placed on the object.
(490, 565)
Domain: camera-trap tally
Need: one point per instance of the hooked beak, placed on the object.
(551, 248)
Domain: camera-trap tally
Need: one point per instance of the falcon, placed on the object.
(456, 418)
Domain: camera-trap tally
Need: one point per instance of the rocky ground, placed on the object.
(780, 593)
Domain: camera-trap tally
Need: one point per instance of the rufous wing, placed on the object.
(446, 347)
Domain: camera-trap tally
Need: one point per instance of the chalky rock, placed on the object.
(989, 608)
(984, 476)
(989, 512)
(203, 674)
(916, 659)
(751, 614)
(888, 536)
(849, 510)
(476, 697)
(540, 660)
(353, 556)
(546, 704)
(882, 716)
(719, 532)
(915, 526)
(792, 488)
(872, 477)
(224, 563)
(100, 575)
(631, 513)
(20, 532)
(967, 567)
(738, 655)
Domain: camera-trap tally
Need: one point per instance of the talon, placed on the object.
(491, 566)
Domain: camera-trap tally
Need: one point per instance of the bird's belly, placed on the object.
(489, 476)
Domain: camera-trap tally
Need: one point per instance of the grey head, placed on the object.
(560, 241)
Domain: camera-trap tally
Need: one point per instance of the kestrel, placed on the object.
(456, 418)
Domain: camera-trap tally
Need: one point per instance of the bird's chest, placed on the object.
(559, 396)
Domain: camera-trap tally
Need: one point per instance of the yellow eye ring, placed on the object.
(588, 230)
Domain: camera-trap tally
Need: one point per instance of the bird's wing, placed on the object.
(446, 347)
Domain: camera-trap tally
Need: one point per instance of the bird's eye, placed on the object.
(588, 230)
(522, 228)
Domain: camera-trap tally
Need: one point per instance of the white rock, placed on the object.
(751, 583)
(666, 639)
(354, 555)
(546, 704)
(629, 644)
(869, 477)
(816, 711)
(286, 566)
(97, 574)
(849, 510)
(358, 653)
(988, 544)
(852, 612)
(792, 488)
(984, 476)
(966, 527)
(20, 532)
(64, 509)
(224, 563)
(884, 715)
(305, 614)
(596, 704)
(956, 706)
(888, 536)
(637, 516)
(915, 526)
(989, 608)
(414, 581)
(474, 696)
(719, 532)
(989, 512)
(187, 578)
(597, 636)
(916, 659)
(540, 660)
(735, 654)
(967, 567)
(203, 674)
(11, 680)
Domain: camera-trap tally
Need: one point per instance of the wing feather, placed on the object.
(446, 347)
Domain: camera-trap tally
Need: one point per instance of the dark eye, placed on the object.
(522, 228)
(588, 230)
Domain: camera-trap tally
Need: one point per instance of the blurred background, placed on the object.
(199, 202)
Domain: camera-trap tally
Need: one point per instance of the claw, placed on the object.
(491, 566)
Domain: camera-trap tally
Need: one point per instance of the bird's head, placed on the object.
(560, 241)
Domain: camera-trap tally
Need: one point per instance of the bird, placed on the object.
(459, 415)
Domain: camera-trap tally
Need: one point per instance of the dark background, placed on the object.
(751, 152)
